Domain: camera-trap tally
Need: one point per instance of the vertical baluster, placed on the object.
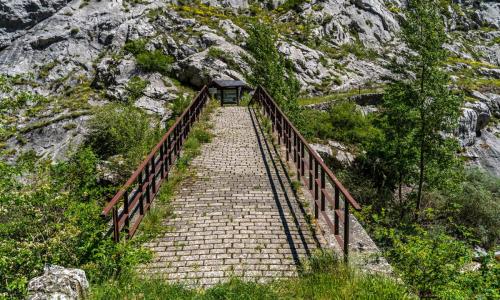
(302, 157)
(153, 172)
(310, 172)
(274, 119)
(126, 212)
(322, 188)
(116, 227)
(336, 210)
(169, 154)
(299, 159)
(289, 138)
(294, 146)
(162, 159)
(286, 143)
(141, 191)
(148, 180)
(316, 189)
(346, 230)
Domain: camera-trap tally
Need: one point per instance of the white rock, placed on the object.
(59, 283)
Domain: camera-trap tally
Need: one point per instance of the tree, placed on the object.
(272, 70)
(420, 112)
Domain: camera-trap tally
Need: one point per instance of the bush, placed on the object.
(118, 129)
(349, 123)
(154, 61)
(136, 46)
(54, 217)
(179, 105)
(316, 124)
(135, 87)
(474, 208)
(433, 263)
(149, 61)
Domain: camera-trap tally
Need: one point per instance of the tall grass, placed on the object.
(322, 277)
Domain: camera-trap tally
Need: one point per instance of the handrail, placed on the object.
(298, 146)
(142, 186)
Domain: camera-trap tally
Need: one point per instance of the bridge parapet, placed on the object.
(312, 172)
(128, 207)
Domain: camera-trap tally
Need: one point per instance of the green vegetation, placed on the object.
(135, 87)
(149, 61)
(339, 95)
(122, 130)
(426, 220)
(322, 277)
(218, 53)
(343, 123)
(271, 70)
(419, 112)
(52, 215)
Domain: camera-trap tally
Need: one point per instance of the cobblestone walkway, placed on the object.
(238, 216)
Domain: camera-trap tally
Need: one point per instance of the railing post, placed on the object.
(141, 190)
(286, 143)
(316, 187)
(336, 211)
(153, 172)
(310, 172)
(126, 211)
(116, 227)
(302, 157)
(322, 188)
(346, 231)
(150, 184)
(299, 159)
(289, 140)
(294, 147)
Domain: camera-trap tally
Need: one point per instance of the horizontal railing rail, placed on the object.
(312, 172)
(128, 207)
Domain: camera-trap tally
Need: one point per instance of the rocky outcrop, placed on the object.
(16, 15)
(59, 283)
(479, 138)
(334, 153)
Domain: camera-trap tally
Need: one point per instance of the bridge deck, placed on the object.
(238, 216)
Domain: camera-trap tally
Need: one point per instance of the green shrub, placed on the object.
(149, 61)
(474, 208)
(135, 87)
(136, 47)
(434, 264)
(316, 124)
(154, 61)
(54, 217)
(215, 52)
(118, 129)
(350, 125)
(179, 105)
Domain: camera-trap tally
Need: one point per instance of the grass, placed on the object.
(337, 96)
(321, 277)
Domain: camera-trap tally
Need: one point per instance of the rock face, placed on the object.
(59, 283)
(333, 45)
(479, 138)
(16, 15)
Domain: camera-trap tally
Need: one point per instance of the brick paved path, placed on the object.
(238, 216)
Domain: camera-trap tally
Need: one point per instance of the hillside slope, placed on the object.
(72, 54)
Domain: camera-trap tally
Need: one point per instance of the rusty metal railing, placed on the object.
(133, 200)
(312, 172)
